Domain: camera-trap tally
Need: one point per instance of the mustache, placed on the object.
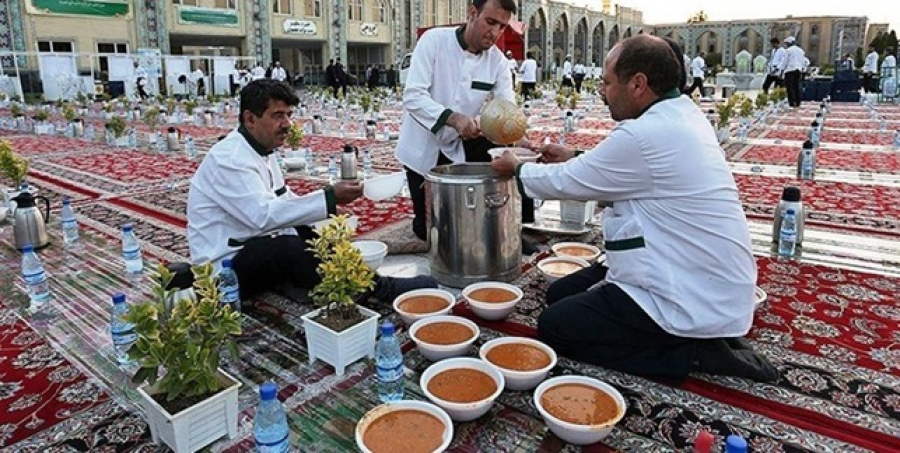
(284, 130)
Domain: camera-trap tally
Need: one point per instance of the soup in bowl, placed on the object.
(557, 267)
(578, 409)
(440, 337)
(422, 303)
(524, 362)
(407, 426)
(492, 301)
(464, 387)
(586, 252)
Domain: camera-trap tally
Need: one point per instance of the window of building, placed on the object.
(282, 6)
(382, 12)
(56, 46)
(313, 8)
(185, 2)
(226, 4)
(354, 10)
(110, 47)
(451, 11)
(435, 5)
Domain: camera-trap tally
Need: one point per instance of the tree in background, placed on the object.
(883, 41)
(699, 16)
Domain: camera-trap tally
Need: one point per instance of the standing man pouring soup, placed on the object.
(678, 295)
(453, 72)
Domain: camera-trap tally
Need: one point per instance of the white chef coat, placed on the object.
(890, 61)
(677, 237)
(513, 66)
(579, 69)
(279, 74)
(567, 69)
(794, 59)
(444, 78)
(871, 65)
(258, 72)
(776, 63)
(698, 67)
(140, 72)
(238, 194)
(529, 71)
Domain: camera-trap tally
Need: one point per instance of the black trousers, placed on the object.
(792, 83)
(527, 89)
(867, 82)
(770, 79)
(604, 326)
(579, 79)
(476, 151)
(140, 88)
(276, 263)
(566, 82)
(698, 83)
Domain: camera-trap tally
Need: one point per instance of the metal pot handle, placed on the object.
(496, 200)
(470, 197)
(46, 206)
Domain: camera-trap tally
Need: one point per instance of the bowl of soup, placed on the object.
(578, 409)
(586, 252)
(440, 337)
(524, 362)
(557, 267)
(492, 301)
(465, 387)
(407, 426)
(422, 303)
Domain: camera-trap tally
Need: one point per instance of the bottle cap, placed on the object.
(127, 228)
(791, 211)
(815, 124)
(268, 391)
(226, 263)
(387, 328)
(67, 200)
(791, 193)
(28, 248)
(735, 444)
(808, 144)
(118, 298)
(704, 442)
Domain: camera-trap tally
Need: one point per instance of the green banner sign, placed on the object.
(102, 8)
(208, 16)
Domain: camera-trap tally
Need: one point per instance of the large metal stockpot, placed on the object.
(475, 226)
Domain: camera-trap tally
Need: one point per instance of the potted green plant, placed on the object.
(151, 119)
(189, 107)
(725, 111)
(188, 401)
(13, 168)
(294, 136)
(340, 332)
(116, 126)
(41, 126)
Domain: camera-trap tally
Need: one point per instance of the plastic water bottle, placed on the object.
(332, 169)
(160, 143)
(189, 147)
(69, 224)
(389, 365)
(132, 138)
(122, 332)
(270, 428)
(229, 292)
(35, 277)
(367, 163)
(131, 252)
(89, 133)
(897, 140)
(735, 444)
(787, 238)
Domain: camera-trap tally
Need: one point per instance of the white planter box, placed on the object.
(340, 349)
(121, 142)
(722, 134)
(197, 426)
(43, 129)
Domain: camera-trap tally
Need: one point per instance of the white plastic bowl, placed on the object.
(410, 318)
(570, 432)
(559, 250)
(352, 222)
(544, 264)
(373, 252)
(383, 187)
(463, 412)
(491, 311)
(520, 380)
(293, 163)
(524, 154)
(383, 409)
(437, 352)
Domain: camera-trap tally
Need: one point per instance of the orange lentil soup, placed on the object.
(423, 304)
(462, 385)
(518, 357)
(579, 404)
(444, 333)
(575, 251)
(492, 295)
(409, 431)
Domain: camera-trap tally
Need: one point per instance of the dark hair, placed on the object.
(256, 95)
(652, 57)
(774, 41)
(507, 5)
(527, 54)
(889, 50)
(679, 55)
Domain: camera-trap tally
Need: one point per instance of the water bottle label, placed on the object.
(132, 255)
(36, 278)
(230, 295)
(389, 374)
(124, 337)
(69, 223)
(274, 446)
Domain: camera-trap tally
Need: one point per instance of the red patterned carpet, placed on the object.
(869, 161)
(833, 136)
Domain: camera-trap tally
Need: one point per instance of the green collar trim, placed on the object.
(460, 37)
(258, 147)
(674, 93)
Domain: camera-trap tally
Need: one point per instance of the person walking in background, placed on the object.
(698, 72)
(140, 80)
(793, 68)
(341, 77)
(869, 69)
(513, 66)
(374, 75)
(567, 72)
(391, 78)
(775, 66)
(278, 73)
(578, 74)
(529, 75)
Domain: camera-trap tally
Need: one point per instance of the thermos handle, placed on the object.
(470, 197)
(46, 207)
(496, 200)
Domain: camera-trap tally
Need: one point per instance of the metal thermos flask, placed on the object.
(348, 162)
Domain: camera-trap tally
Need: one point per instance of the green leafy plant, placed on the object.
(294, 136)
(560, 100)
(185, 339)
(573, 100)
(81, 98)
(365, 102)
(745, 107)
(16, 109)
(41, 115)
(189, 106)
(761, 100)
(117, 126)
(725, 111)
(12, 166)
(69, 112)
(170, 106)
(151, 118)
(779, 94)
(345, 276)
